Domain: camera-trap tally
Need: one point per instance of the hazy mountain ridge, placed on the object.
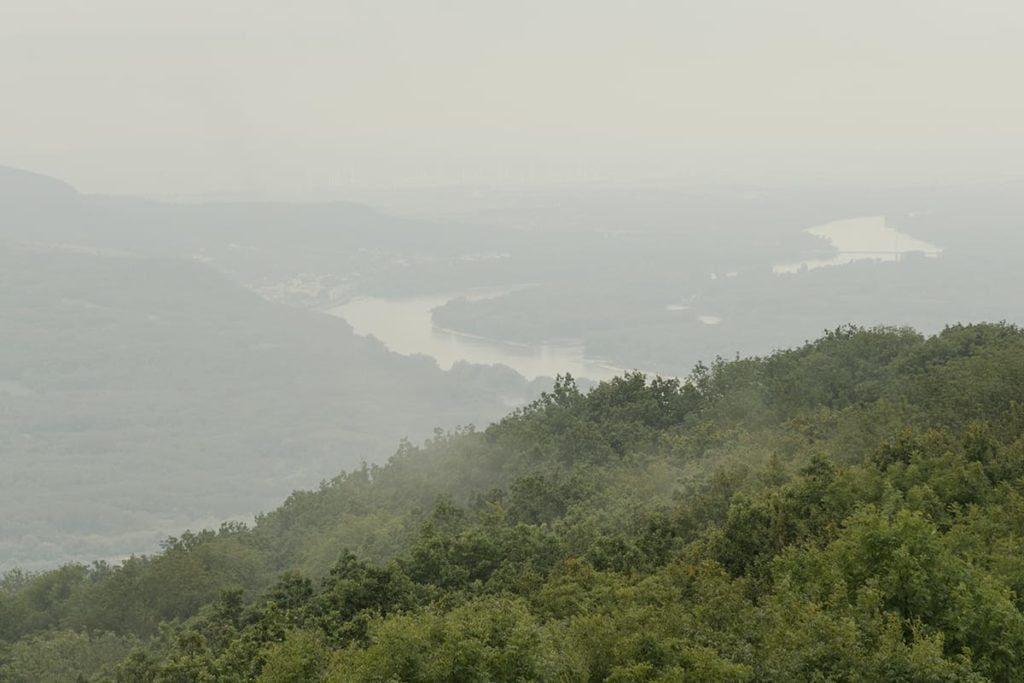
(205, 400)
(626, 271)
(582, 247)
(470, 342)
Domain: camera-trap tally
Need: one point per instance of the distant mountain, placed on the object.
(120, 292)
(25, 187)
(257, 244)
(142, 391)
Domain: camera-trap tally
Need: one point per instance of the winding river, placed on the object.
(858, 239)
(405, 326)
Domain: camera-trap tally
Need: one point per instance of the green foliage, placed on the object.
(488, 639)
(849, 510)
(61, 655)
(301, 656)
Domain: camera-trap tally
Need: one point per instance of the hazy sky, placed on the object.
(280, 99)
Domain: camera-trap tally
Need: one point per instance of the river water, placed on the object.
(857, 239)
(405, 326)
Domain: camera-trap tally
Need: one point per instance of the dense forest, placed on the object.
(851, 510)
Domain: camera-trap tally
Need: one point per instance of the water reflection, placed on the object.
(405, 326)
(857, 239)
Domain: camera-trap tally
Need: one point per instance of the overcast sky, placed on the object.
(277, 99)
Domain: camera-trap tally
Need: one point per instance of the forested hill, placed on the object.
(142, 395)
(849, 510)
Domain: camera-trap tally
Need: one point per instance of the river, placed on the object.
(405, 326)
(856, 239)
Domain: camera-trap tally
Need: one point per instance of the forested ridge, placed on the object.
(852, 509)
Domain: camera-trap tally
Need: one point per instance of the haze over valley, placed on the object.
(556, 340)
(201, 351)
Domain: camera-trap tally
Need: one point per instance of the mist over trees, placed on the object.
(554, 340)
(847, 509)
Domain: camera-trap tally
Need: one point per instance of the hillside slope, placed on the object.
(847, 510)
(142, 395)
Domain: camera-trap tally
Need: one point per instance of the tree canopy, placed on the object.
(852, 509)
